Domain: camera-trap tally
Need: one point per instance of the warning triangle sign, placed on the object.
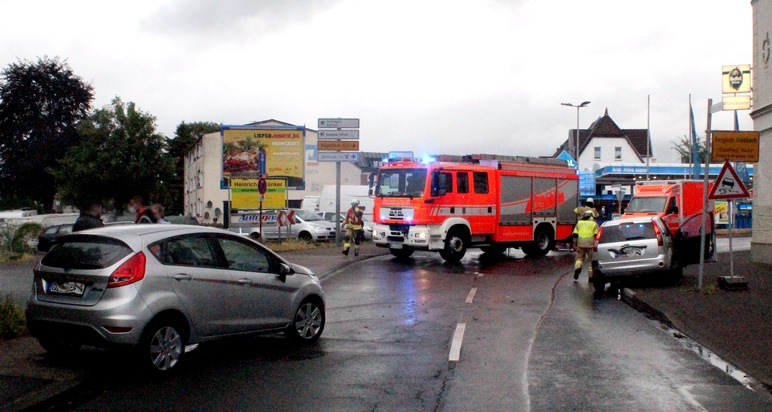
(728, 185)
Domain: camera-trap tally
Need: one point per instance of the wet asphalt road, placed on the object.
(533, 340)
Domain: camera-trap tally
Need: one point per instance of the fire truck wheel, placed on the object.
(403, 253)
(543, 242)
(455, 245)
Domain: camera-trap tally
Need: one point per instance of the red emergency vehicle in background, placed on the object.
(487, 201)
(680, 204)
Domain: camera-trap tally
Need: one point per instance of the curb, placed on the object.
(630, 297)
(347, 263)
(42, 395)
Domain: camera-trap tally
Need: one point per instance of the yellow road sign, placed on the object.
(735, 146)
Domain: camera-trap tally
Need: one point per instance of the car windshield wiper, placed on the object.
(635, 238)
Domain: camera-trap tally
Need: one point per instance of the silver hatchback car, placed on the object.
(163, 288)
(633, 247)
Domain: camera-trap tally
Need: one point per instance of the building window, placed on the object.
(617, 153)
(597, 152)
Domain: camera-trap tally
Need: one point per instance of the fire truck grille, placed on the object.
(399, 230)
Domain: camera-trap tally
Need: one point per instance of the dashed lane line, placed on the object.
(455, 346)
(470, 296)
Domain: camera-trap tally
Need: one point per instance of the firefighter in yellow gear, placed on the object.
(584, 242)
(354, 228)
(589, 204)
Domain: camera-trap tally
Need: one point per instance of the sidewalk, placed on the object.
(737, 325)
(28, 378)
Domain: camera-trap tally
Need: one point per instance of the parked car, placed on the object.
(307, 226)
(49, 236)
(368, 224)
(639, 246)
(160, 288)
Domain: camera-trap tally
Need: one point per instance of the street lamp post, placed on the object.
(576, 146)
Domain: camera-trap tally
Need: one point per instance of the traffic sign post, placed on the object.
(729, 186)
(262, 187)
(341, 136)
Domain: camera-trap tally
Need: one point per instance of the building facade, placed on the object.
(205, 196)
(761, 244)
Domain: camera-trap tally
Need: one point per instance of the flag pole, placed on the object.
(648, 134)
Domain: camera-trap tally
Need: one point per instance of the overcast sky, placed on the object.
(439, 76)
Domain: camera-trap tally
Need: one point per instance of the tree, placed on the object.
(41, 104)
(121, 155)
(684, 148)
(185, 137)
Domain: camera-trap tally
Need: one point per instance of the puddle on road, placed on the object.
(712, 358)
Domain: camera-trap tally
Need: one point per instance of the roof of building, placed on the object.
(603, 127)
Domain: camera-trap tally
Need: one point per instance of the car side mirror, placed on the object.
(284, 271)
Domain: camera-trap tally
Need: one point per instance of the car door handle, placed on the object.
(245, 282)
(183, 276)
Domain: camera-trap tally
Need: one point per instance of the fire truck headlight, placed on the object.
(422, 235)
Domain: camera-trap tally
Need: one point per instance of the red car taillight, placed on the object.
(132, 270)
(597, 238)
(658, 233)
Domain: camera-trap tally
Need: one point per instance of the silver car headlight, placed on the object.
(319, 229)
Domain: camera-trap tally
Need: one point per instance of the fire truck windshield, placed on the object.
(646, 204)
(401, 183)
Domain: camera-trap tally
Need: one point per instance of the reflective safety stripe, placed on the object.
(586, 229)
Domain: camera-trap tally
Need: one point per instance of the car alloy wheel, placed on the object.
(308, 323)
(166, 348)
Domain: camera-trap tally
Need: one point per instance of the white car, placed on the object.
(368, 224)
(306, 226)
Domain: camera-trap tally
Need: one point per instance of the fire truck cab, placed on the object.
(452, 203)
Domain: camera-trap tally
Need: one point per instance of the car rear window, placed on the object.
(86, 252)
(627, 231)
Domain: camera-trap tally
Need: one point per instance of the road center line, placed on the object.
(455, 346)
(470, 296)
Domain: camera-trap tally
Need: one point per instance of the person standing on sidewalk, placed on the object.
(584, 242)
(90, 217)
(354, 225)
(143, 213)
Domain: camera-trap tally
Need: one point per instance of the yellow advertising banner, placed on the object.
(244, 194)
(735, 146)
(255, 152)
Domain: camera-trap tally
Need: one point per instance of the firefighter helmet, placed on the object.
(355, 202)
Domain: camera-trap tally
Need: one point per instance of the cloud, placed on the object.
(229, 20)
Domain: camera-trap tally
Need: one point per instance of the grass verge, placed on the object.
(12, 321)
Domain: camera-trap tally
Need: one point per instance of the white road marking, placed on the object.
(684, 391)
(470, 296)
(480, 275)
(455, 346)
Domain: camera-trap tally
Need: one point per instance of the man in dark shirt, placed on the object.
(90, 217)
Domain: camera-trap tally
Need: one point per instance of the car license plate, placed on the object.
(395, 246)
(67, 288)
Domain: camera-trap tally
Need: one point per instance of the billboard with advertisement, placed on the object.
(274, 151)
(245, 194)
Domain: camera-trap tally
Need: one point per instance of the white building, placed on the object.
(761, 245)
(605, 142)
(204, 196)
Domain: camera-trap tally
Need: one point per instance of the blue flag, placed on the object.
(695, 146)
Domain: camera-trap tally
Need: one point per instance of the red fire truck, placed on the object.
(487, 201)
